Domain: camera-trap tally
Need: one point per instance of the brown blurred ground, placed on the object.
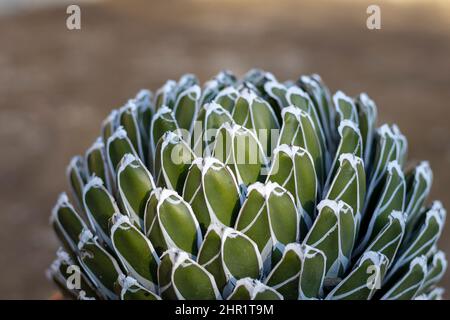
(56, 86)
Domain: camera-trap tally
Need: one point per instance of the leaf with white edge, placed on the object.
(191, 281)
(436, 270)
(165, 95)
(422, 240)
(132, 290)
(109, 125)
(165, 267)
(392, 198)
(172, 161)
(67, 223)
(418, 188)
(77, 178)
(118, 145)
(239, 148)
(134, 184)
(227, 98)
(364, 280)
(96, 162)
(345, 108)
(251, 289)
(367, 112)
(269, 217)
(298, 130)
(100, 207)
(186, 107)
(277, 91)
(293, 168)
(240, 258)
(163, 121)
(100, 266)
(145, 111)
(349, 184)
(333, 232)
(135, 252)
(436, 294)
(409, 285)
(212, 191)
(389, 238)
(128, 119)
(172, 224)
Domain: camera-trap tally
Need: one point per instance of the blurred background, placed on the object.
(57, 85)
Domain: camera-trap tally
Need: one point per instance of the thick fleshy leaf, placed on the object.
(409, 285)
(345, 108)
(227, 98)
(392, 198)
(77, 178)
(300, 272)
(349, 184)
(67, 223)
(109, 125)
(418, 188)
(256, 114)
(240, 258)
(172, 161)
(298, 130)
(367, 112)
(165, 268)
(64, 271)
(132, 290)
(436, 270)
(191, 281)
(333, 232)
(186, 107)
(171, 223)
(135, 252)
(128, 119)
(293, 168)
(251, 289)
(118, 145)
(145, 111)
(364, 280)
(100, 266)
(96, 164)
(350, 143)
(100, 207)
(239, 148)
(277, 91)
(422, 240)
(165, 95)
(389, 238)
(269, 217)
(162, 121)
(212, 191)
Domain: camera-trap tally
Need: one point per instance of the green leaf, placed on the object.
(364, 280)
(345, 108)
(100, 207)
(293, 168)
(191, 281)
(133, 290)
(134, 184)
(96, 162)
(165, 95)
(269, 217)
(186, 107)
(128, 119)
(100, 266)
(367, 112)
(135, 252)
(77, 178)
(67, 222)
(238, 148)
(162, 121)
(349, 184)
(436, 270)
(109, 125)
(298, 130)
(333, 232)
(251, 289)
(171, 223)
(212, 191)
(172, 161)
(227, 98)
(118, 145)
(409, 285)
(278, 92)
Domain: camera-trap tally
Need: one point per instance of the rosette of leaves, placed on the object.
(248, 189)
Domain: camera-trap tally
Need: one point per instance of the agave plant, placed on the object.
(248, 189)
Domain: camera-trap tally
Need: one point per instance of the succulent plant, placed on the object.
(248, 189)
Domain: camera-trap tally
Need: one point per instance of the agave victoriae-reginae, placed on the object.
(248, 189)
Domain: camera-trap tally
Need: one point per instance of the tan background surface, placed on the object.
(56, 86)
